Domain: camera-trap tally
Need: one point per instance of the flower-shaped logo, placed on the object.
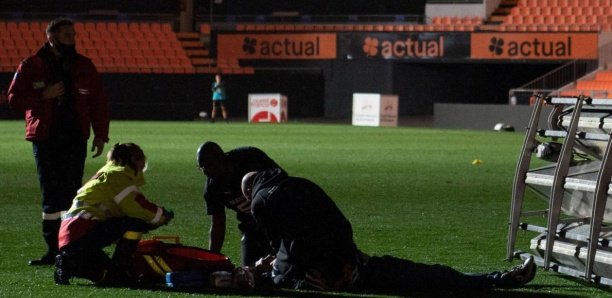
(496, 46)
(249, 45)
(370, 46)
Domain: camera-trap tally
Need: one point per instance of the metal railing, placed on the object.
(306, 19)
(564, 76)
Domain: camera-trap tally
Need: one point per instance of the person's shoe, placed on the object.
(62, 273)
(212, 120)
(518, 276)
(46, 259)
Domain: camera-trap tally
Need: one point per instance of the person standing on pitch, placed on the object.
(315, 247)
(62, 96)
(224, 173)
(218, 98)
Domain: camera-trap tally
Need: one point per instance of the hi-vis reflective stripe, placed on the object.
(132, 235)
(52, 216)
(157, 264)
(158, 216)
(154, 265)
(119, 197)
(162, 264)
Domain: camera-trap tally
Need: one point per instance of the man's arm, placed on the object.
(26, 92)
(98, 111)
(217, 232)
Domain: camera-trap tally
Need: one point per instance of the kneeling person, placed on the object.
(315, 247)
(108, 208)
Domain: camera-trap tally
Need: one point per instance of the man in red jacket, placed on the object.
(61, 93)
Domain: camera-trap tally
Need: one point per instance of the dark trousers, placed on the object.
(60, 163)
(86, 256)
(391, 274)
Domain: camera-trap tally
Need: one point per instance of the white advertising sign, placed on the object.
(268, 107)
(372, 109)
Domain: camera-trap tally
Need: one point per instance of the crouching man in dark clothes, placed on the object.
(315, 248)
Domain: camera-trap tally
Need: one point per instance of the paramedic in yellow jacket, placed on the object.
(108, 208)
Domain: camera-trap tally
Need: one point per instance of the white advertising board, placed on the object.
(268, 107)
(373, 109)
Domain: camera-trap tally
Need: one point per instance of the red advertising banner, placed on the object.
(307, 46)
(534, 46)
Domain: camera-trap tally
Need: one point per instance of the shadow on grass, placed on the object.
(527, 292)
(583, 283)
(531, 291)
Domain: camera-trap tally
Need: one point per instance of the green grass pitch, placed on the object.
(408, 192)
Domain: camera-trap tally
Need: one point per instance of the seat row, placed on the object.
(561, 11)
(555, 28)
(353, 27)
(448, 20)
(600, 86)
(558, 19)
(90, 26)
(564, 3)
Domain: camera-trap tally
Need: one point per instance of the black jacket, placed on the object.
(311, 235)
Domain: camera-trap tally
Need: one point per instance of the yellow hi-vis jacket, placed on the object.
(112, 192)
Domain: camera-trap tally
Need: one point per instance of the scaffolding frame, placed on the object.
(560, 229)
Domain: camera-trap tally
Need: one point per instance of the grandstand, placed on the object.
(320, 53)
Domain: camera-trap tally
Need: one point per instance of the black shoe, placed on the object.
(518, 276)
(46, 259)
(212, 120)
(62, 272)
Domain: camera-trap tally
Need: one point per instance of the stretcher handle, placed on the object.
(175, 238)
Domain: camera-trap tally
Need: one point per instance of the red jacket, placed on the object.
(91, 106)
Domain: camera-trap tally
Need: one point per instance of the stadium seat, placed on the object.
(205, 29)
(166, 27)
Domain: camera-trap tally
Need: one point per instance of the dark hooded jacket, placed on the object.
(313, 239)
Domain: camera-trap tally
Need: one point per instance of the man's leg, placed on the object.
(60, 173)
(391, 273)
(84, 258)
(213, 113)
(119, 270)
(223, 111)
(80, 261)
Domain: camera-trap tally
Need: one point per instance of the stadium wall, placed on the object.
(315, 89)
(485, 116)
(421, 85)
(182, 96)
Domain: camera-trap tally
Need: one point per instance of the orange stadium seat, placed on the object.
(205, 29)
(133, 27)
(604, 76)
(155, 27)
(90, 26)
(94, 53)
(122, 27)
(166, 27)
(113, 46)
